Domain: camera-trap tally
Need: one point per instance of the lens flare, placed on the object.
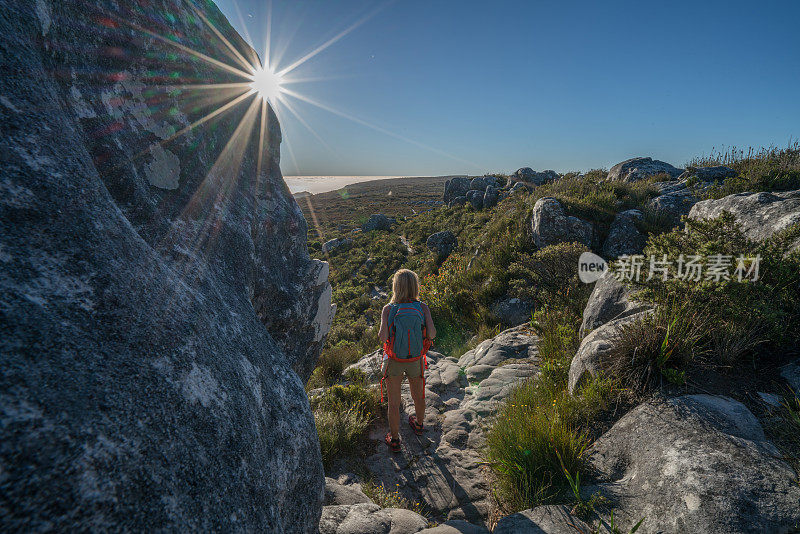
(266, 83)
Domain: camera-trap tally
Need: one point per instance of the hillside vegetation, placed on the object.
(702, 337)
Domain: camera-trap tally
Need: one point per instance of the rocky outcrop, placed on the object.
(706, 174)
(512, 311)
(456, 187)
(695, 464)
(442, 244)
(759, 214)
(369, 518)
(551, 519)
(455, 526)
(444, 468)
(588, 360)
(480, 183)
(333, 244)
(635, 169)
(475, 197)
(377, 221)
(623, 236)
(519, 187)
(526, 174)
(344, 491)
(550, 225)
(491, 197)
(676, 202)
(160, 310)
(481, 192)
(609, 300)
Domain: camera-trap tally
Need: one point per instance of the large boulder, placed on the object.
(456, 187)
(549, 519)
(695, 464)
(624, 237)
(674, 203)
(377, 221)
(708, 174)
(635, 169)
(512, 311)
(369, 518)
(457, 201)
(526, 174)
(550, 225)
(343, 491)
(519, 187)
(609, 300)
(480, 183)
(159, 308)
(333, 244)
(589, 360)
(491, 197)
(759, 214)
(442, 244)
(475, 198)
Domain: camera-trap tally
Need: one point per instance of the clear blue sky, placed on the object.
(497, 85)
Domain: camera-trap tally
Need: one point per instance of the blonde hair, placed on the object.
(405, 286)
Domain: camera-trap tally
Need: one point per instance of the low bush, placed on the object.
(342, 416)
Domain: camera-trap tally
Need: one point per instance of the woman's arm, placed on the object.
(430, 329)
(383, 333)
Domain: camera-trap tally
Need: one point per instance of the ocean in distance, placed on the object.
(322, 184)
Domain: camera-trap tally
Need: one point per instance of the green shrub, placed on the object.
(737, 317)
(342, 416)
(332, 362)
(658, 347)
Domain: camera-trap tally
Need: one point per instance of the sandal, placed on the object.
(393, 443)
(415, 426)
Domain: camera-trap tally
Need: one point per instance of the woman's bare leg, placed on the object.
(393, 384)
(418, 394)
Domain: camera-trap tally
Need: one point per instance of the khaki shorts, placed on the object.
(392, 367)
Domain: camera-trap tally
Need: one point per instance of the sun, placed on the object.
(266, 83)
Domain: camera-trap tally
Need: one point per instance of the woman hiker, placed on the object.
(406, 333)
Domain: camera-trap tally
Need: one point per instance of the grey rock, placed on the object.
(369, 364)
(552, 519)
(333, 244)
(490, 197)
(636, 169)
(160, 312)
(519, 187)
(526, 174)
(550, 225)
(759, 214)
(339, 493)
(456, 526)
(378, 293)
(695, 464)
(609, 300)
(456, 187)
(368, 518)
(444, 469)
(475, 198)
(457, 201)
(377, 221)
(480, 183)
(442, 244)
(674, 203)
(512, 311)
(588, 360)
(502, 195)
(791, 373)
(623, 236)
(717, 172)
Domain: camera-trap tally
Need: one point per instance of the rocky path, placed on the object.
(444, 467)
